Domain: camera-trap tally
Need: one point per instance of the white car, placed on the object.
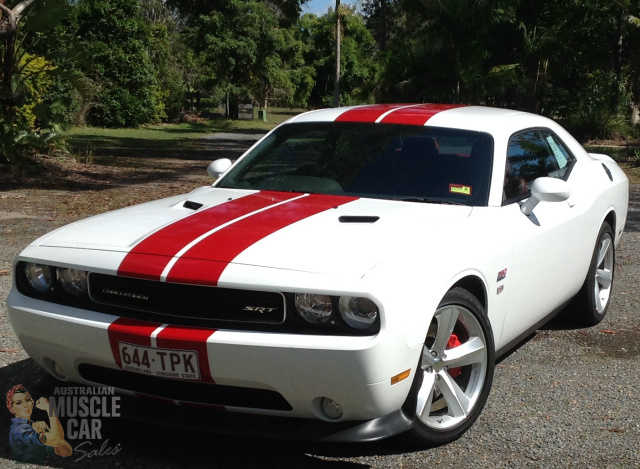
(353, 276)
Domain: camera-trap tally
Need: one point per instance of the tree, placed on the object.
(628, 45)
(382, 18)
(440, 50)
(357, 58)
(251, 48)
(12, 87)
(168, 54)
(116, 41)
(571, 59)
(338, 58)
(23, 79)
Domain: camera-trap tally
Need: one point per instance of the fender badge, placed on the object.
(502, 275)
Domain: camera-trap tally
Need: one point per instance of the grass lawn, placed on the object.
(184, 141)
(162, 140)
(627, 156)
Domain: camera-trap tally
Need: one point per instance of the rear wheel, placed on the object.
(592, 302)
(455, 373)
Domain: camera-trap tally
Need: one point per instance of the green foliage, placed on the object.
(125, 63)
(572, 59)
(44, 15)
(250, 49)
(37, 80)
(600, 112)
(358, 52)
(28, 116)
(166, 47)
(115, 39)
(19, 140)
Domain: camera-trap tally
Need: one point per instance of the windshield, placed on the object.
(370, 160)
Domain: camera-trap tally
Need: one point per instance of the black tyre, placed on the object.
(455, 373)
(592, 302)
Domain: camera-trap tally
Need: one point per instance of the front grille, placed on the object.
(191, 302)
(199, 393)
(191, 305)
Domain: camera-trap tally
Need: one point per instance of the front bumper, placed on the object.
(191, 418)
(352, 371)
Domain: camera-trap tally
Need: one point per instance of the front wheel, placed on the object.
(455, 372)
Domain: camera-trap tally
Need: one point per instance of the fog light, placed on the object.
(54, 368)
(59, 371)
(331, 408)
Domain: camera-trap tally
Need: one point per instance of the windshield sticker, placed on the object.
(459, 189)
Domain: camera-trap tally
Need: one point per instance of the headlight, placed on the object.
(39, 276)
(74, 281)
(359, 313)
(315, 309)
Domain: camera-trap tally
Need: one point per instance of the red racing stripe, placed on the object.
(223, 246)
(411, 114)
(136, 332)
(185, 338)
(149, 257)
(367, 113)
(131, 331)
(417, 115)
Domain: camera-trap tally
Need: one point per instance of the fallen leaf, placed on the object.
(615, 430)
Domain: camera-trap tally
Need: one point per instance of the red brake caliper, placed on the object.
(454, 342)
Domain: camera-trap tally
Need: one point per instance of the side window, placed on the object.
(562, 158)
(533, 154)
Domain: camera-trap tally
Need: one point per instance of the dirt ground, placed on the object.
(566, 398)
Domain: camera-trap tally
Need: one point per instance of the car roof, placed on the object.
(480, 118)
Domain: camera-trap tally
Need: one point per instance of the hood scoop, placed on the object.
(358, 219)
(192, 205)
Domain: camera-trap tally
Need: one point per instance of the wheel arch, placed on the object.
(611, 219)
(474, 285)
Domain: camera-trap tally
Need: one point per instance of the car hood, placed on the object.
(195, 237)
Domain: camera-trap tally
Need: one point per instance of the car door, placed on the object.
(545, 242)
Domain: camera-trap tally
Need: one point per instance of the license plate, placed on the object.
(163, 362)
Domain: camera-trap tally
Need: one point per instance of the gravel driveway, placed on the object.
(565, 398)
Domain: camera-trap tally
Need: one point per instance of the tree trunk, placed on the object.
(234, 100)
(617, 56)
(382, 40)
(457, 72)
(336, 81)
(7, 97)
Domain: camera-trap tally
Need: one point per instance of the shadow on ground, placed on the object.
(142, 445)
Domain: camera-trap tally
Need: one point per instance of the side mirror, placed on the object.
(546, 189)
(217, 167)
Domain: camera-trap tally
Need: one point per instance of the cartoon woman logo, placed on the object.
(32, 441)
